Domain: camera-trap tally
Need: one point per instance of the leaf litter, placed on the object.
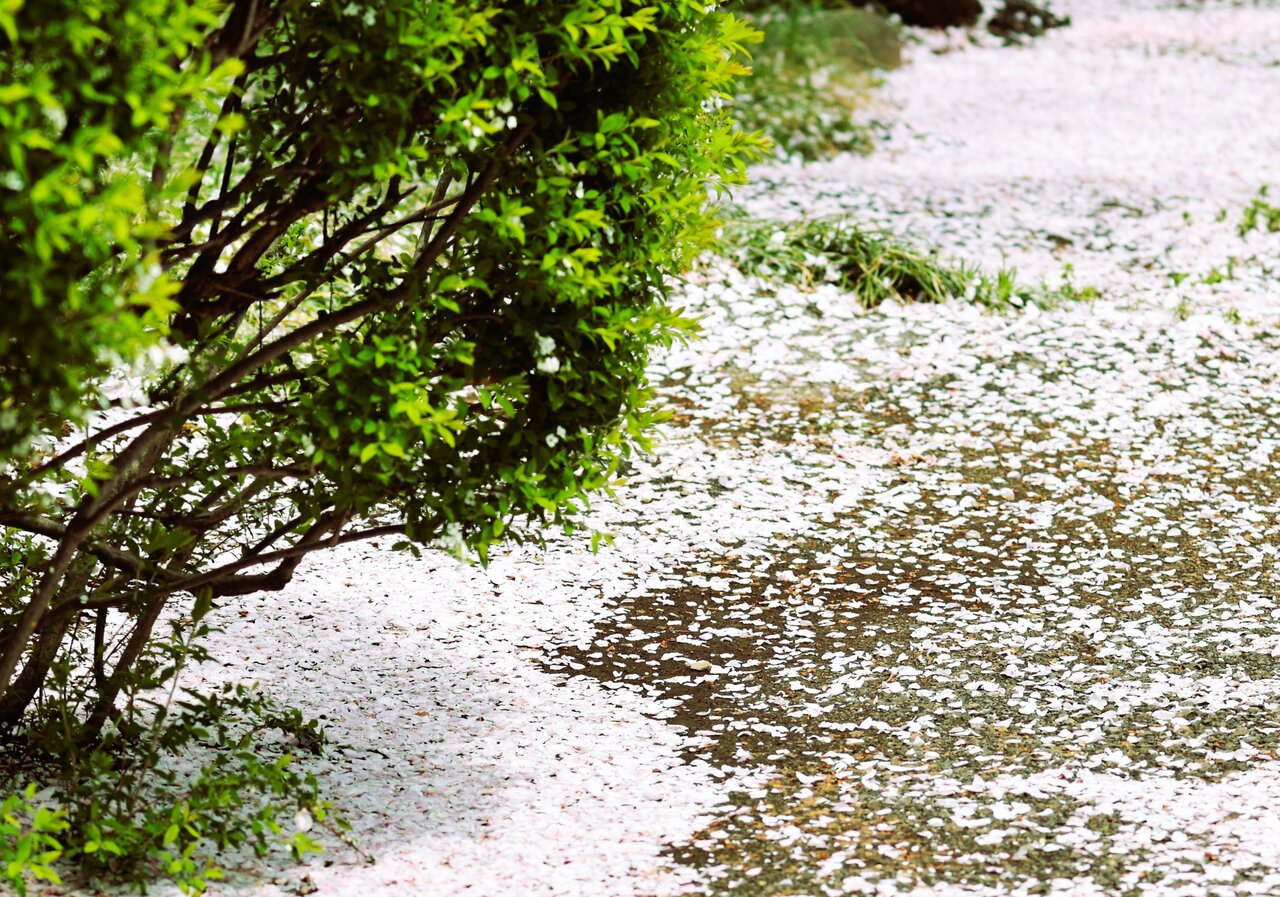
(926, 600)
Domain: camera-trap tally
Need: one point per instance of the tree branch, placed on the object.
(42, 526)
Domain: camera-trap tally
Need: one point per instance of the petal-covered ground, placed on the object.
(925, 600)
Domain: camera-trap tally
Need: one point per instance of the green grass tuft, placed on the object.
(1260, 215)
(875, 267)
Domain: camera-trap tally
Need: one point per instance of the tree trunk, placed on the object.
(17, 697)
(25, 685)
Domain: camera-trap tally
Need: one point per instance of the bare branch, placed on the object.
(134, 423)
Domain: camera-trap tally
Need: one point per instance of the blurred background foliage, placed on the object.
(814, 74)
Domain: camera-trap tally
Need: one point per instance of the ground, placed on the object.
(925, 600)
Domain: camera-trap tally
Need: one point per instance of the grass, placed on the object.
(814, 73)
(877, 267)
(1260, 215)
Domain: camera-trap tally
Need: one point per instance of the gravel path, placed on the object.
(923, 601)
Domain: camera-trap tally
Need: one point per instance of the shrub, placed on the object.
(29, 839)
(286, 275)
(126, 810)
